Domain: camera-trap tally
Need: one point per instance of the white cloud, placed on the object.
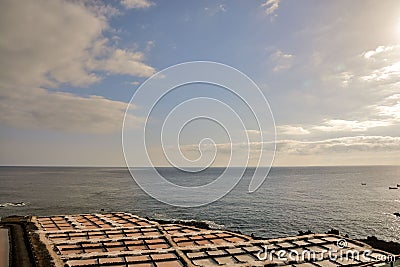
(253, 132)
(124, 62)
(102, 9)
(343, 78)
(350, 125)
(255, 135)
(130, 4)
(346, 145)
(222, 7)
(384, 73)
(389, 108)
(47, 43)
(340, 145)
(55, 43)
(365, 86)
(149, 46)
(271, 6)
(346, 78)
(292, 130)
(59, 42)
(249, 151)
(282, 61)
(211, 11)
(376, 70)
(372, 54)
(383, 114)
(383, 64)
(38, 108)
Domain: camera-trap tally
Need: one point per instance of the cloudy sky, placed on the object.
(329, 69)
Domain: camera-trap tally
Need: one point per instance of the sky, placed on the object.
(330, 71)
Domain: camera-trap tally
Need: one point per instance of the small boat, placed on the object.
(398, 185)
(392, 187)
(363, 184)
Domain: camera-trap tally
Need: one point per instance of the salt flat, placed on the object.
(124, 239)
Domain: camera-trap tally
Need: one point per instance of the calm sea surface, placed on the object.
(291, 199)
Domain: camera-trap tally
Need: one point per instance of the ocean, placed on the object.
(291, 199)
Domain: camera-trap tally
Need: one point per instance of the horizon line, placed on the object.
(276, 166)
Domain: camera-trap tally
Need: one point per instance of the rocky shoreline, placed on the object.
(26, 249)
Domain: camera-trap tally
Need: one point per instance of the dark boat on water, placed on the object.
(392, 187)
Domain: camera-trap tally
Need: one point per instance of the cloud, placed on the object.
(248, 151)
(389, 108)
(339, 145)
(65, 44)
(346, 144)
(346, 78)
(383, 64)
(355, 94)
(225, 148)
(102, 9)
(377, 70)
(130, 4)
(271, 6)
(60, 43)
(53, 49)
(211, 11)
(253, 132)
(149, 46)
(384, 73)
(380, 50)
(282, 61)
(292, 130)
(342, 78)
(124, 62)
(350, 125)
(38, 108)
(385, 113)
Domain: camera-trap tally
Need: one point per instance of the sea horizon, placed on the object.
(195, 167)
